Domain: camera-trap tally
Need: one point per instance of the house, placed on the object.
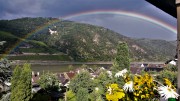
(62, 79)
(137, 68)
(154, 67)
(65, 77)
(69, 75)
(35, 86)
(35, 78)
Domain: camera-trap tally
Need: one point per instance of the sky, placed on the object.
(126, 25)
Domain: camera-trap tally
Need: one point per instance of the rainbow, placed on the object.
(125, 13)
(115, 12)
(40, 28)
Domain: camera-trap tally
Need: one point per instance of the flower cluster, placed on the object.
(167, 90)
(139, 87)
(144, 87)
(114, 93)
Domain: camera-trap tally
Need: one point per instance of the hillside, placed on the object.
(81, 42)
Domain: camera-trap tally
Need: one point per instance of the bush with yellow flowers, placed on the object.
(140, 88)
(114, 93)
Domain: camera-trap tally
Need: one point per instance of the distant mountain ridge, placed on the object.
(82, 42)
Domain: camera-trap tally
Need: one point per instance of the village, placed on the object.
(65, 77)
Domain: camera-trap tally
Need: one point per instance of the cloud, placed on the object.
(128, 26)
(58, 8)
(11, 9)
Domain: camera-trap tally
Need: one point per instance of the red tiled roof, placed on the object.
(70, 75)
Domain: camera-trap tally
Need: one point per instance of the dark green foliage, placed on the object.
(21, 84)
(156, 49)
(170, 67)
(9, 41)
(121, 60)
(82, 94)
(81, 80)
(49, 82)
(40, 97)
(82, 42)
(70, 96)
(171, 75)
(101, 83)
(103, 80)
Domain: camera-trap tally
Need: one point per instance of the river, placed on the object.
(59, 66)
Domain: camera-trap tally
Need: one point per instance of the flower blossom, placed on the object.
(128, 86)
(109, 73)
(121, 73)
(109, 90)
(96, 88)
(167, 92)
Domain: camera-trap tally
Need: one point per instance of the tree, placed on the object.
(82, 94)
(121, 60)
(14, 81)
(49, 82)
(21, 84)
(70, 96)
(81, 80)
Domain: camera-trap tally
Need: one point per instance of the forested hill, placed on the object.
(82, 42)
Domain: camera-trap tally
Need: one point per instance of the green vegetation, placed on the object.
(121, 60)
(40, 57)
(170, 72)
(103, 86)
(49, 82)
(21, 84)
(70, 96)
(164, 49)
(81, 42)
(82, 80)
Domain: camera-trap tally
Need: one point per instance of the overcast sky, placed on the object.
(128, 26)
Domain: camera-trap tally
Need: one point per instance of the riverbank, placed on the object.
(54, 62)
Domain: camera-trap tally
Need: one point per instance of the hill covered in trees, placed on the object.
(81, 42)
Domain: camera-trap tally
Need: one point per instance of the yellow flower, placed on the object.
(151, 93)
(140, 92)
(146, 88)
(137, 95)
(114, 93)
(135, 99)
(136, 87)
(167, 82)
(147, 95)
(142, 96)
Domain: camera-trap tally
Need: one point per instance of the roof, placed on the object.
(136, 70)
(70, 75)
(168, 6)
